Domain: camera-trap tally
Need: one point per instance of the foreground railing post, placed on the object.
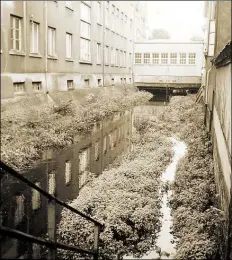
(96, 240)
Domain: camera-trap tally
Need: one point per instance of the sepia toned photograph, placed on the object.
(116, 130)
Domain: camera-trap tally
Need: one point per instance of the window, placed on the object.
(16, 33)
(85, 30)
(68, 172)
(121, 80)
(85, 12)
(107, 55)
(112, 56)
(96, 149)
(129, 61)
(35, 197)
(86, 83)
(36, 86)
(99, 82)
(70, 84)
(124, 60)
(192, 58)
(51, 183)
(138, 58)
(34, 37)
(85, 50)
(117, 57)
(125, 80)
(98, 53)
(155, 58)
(211, 38)
(182, 58)
(164, 58)
(146, 58)
(130, 80)
(121, 58)
(85, 53)
(113, 19)
(19, 212)
(51, 41)
(68, 45)
(107, 14)
(69, 4)
(19, 87)
(99, 12)
(112, 80)
(173, 58)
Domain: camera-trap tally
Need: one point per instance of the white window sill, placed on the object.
(35, 55)
(69, 60)
(17, 53)
(52, 57)
(85, 62)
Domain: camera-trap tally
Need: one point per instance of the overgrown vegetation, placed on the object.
(197, 223)
(28, 130)
(125, 198)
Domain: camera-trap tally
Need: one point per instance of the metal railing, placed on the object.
(50, 243)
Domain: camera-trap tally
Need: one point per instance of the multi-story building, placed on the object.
(217, 99)
(64, 45)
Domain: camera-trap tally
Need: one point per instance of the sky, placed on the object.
(181, 18)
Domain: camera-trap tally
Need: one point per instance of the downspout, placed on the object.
(103, 46)
(25, 32)
(133, 52)
(46, 44)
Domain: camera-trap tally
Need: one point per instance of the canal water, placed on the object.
(23, 208)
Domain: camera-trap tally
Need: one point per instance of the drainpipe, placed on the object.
(46, 44)
(103, 46)
(25, 32)
(133, 52)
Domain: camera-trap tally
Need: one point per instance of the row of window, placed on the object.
(165, 58)
(84, 157)
(19, 87)
(118, 57)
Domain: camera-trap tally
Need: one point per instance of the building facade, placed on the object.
(51, 46)
(162, 62)
(216, 87)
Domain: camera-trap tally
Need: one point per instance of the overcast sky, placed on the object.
(181, 18)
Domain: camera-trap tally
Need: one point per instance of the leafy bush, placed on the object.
(28, 130)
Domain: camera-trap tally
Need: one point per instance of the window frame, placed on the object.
(155, 57)
(147, 60)
(192, 59)
(164, 57)
(13, 33)
(53, 43)
(183, 59)
(69, 35)
(173, 58)
(32, 43)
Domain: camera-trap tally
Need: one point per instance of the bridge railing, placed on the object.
(52, 244)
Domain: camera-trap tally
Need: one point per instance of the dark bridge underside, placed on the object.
(164, 92)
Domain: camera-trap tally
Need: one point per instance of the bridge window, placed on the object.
(155, 58)
(192, 58)
(138, 58)
(164, 58)
(182, 58)
(104, 145)
(173, 58)
(83, 158)
(146, 58)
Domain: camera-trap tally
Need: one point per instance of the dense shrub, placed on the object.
(28, 130)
